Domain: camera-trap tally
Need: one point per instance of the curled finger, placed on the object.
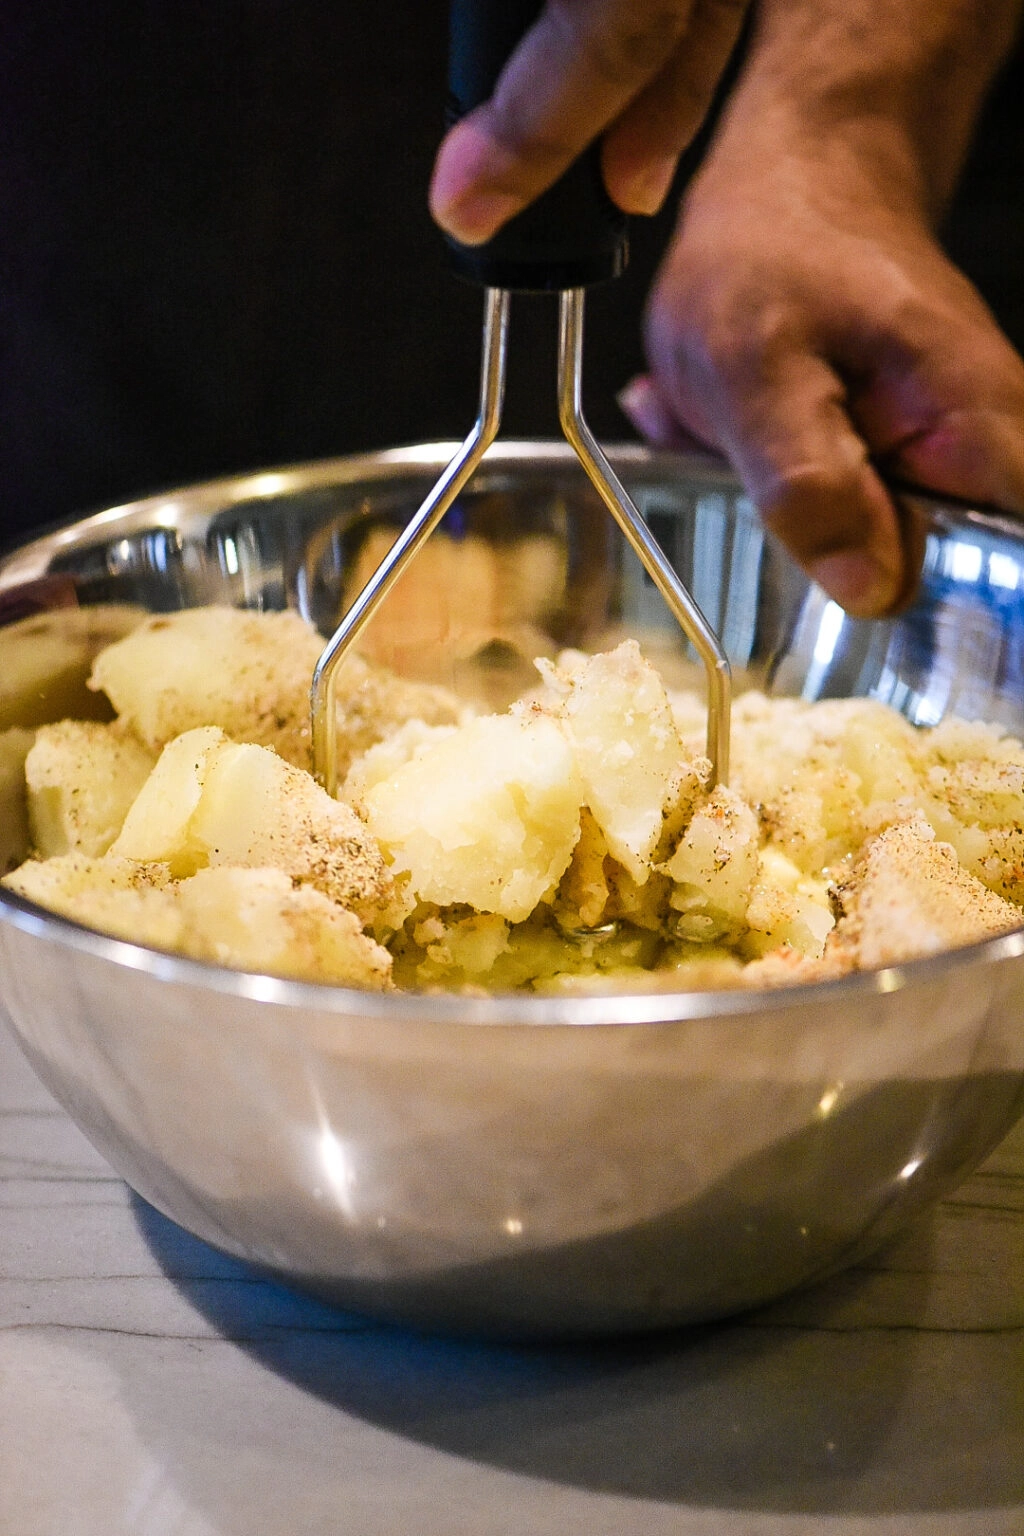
(641, 149)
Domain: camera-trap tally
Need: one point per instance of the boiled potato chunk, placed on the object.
(619, 721)
(247, 673)
(383, 759)
(249, 919)
(211, 801)
(82, 777)
(259, 920)
(158, 825)
(828, 776)
(908, 896)
(715, 865)
(486, 816)
(489, 815)
(787, 909)
(117, 896)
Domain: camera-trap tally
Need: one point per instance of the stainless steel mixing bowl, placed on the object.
(520, 1165)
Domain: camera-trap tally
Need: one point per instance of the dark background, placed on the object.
(215, 252)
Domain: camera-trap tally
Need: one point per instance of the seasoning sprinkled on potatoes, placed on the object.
(569, 844)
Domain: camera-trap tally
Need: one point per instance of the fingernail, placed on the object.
(856, 581)
(475, 218)
(647, 189)
(641, 404)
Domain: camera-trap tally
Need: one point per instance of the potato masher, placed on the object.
(570, 238)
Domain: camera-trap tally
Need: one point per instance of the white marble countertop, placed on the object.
(149, 1385)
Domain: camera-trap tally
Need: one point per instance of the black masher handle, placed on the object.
(573, 236)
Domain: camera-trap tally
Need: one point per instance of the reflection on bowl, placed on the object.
(519, 1165)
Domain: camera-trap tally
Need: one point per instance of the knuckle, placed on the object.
(534, 147)
(624, 44)
(734, 337)
(792, 492)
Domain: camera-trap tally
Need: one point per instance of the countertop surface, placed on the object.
(150, 1385)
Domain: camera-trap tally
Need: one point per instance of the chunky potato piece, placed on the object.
(454, 815)
(786, 909)
(825, 775)
(977, 805)
(384, 758)
(116, 896)
(210, 801)
(619, 722)
(373, 703)
(488, 816)
(158, 825)
(82, 777)
(249, 673)
(980, 791)
(907, 896)
(830, 775)
(715, 866)
(259, 920)
(249, 919)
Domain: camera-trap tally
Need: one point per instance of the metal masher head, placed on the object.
(571, 237)
(453, 480)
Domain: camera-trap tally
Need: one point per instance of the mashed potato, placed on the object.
(571, 843)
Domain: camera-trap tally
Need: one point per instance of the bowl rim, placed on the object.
(23, 560)
(165, 508)
(500, 1008)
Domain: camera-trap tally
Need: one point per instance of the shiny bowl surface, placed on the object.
(519, 1165)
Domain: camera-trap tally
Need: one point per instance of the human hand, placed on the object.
(640, 72)
(807, 323)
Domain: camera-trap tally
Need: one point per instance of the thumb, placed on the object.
(573, 73)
